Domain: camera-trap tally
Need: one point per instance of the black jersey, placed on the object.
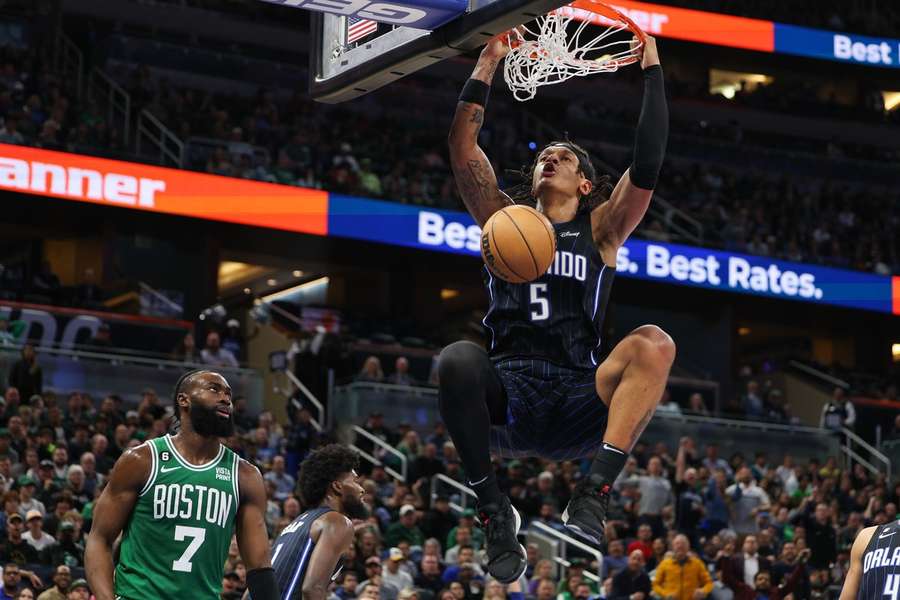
(291, 553)
(559, 316)
(881, 564)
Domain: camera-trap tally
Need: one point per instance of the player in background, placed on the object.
(308, 553)
(179, 499)
(874, 564)
(543, 389)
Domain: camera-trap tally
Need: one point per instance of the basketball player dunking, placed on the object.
(874, 564)
(179, 499)
(542, 389)
(307, 554)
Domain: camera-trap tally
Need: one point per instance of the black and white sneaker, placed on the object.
(586, 512)
(506, 558)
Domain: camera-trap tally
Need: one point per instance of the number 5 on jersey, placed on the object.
(540, 306)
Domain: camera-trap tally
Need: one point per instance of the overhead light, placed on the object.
(295, 289)
(448, 293)
(297, 273)
(891, 100)
(271, 282)
(895, 351)
(247, 291)
(743, 331)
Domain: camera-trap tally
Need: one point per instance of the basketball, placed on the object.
(518, 244)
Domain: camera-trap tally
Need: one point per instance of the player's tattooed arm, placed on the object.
(639, 428)
(111, 513)
(472, 170)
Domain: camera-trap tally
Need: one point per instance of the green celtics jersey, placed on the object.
(176, 542)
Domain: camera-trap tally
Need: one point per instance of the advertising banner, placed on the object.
(157, 189)
(456, 232)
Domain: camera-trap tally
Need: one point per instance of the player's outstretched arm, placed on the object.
(851, 582)
(614, 221)
(335, 537)
(474, 174)
(252, 538)
(111, 513)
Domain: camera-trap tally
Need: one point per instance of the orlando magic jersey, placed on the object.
(881, 564)
(559, 316)
(291, 553)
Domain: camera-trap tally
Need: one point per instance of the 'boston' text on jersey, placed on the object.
(186, 501)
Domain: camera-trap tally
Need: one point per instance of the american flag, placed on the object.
(358, 28)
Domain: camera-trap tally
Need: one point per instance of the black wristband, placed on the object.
(262, 585)
(476, 92)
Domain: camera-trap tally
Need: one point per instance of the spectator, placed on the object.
(216, 356)
(79, 590)
(748, 563)
(26, 374)
(12, 578)
(838, 412)
(697, 406)
(748, 500)
(22, 594)
(14, 549)
(682, 576)
(438, 520)
(35, 534)
(713, 462)
(643, 542)
(401, 374)
(668, 405)
(405, 529)
(476, 534)
(761, 586)
(615, 559)
(820, 536)
(392, 574)
(67, 550)
(632, 583)
(284, 483)
(429, 577)
(348, 588)
(656, 493)
(27, 501)
(465, 559)
(371, 370)
(545, 589)
(186, 350)
(62, 578)
(752, 402)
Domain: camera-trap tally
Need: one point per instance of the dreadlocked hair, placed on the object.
(321, 468)
(600, 191)
(179, 388)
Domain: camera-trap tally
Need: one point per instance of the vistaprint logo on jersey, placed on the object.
(223, 473)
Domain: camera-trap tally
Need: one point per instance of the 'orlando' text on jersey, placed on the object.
(559, 316)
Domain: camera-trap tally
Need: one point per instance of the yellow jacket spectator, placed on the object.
(682, 577)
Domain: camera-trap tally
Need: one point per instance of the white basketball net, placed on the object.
(547, 54)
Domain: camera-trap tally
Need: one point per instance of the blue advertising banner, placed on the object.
(456, 232)
(831, 45)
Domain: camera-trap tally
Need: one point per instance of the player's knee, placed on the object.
(460, 360)
(653, 345)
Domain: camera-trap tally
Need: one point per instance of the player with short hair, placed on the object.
(874, 564)
(307, 554)
(179, 499)
(543, 389)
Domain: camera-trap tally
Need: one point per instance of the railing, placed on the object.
(465, 492)
(163, 143)
(112, 98)
(319, 421)
(398, 475)
(823, 377)
(852, 454)
(104, 373)
(69, 61)
(563, 543)
(676, 220)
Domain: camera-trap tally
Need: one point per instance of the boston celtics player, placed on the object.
(179, 499)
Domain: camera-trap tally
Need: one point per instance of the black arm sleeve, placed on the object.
(652, 131)
(262, 585)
